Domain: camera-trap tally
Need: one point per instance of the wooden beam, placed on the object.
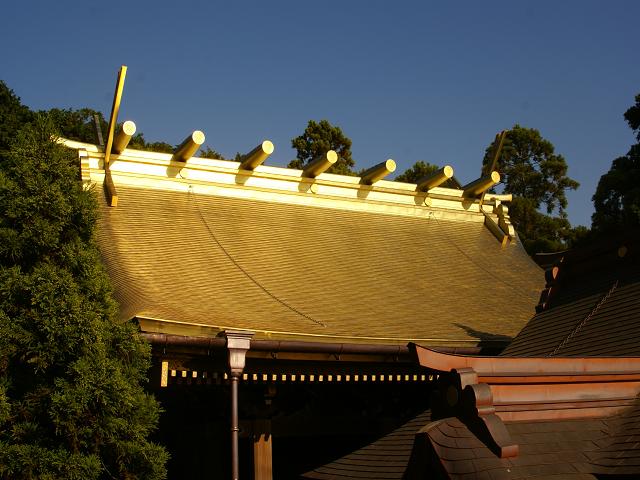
(262, 450)
(481, 185)
(501, 197)
(115, 108)
(494, 228)
(110, 189)
(123, 136)
(378, 172)
(189, 146)
(436, 178)
(164, 373)
(257, 156)
(320, 164)
(500, 138)
(96, 124)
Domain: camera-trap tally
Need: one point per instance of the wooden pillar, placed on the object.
(262, 463)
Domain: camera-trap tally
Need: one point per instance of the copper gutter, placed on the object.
(275, 346)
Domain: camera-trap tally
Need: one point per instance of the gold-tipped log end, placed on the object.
(435, 179)
(320, 164)
(378, 172)
(481, 185)
(189, 146)
(257, 156)
(123, 136)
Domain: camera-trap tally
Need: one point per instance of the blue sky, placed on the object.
(432, 81)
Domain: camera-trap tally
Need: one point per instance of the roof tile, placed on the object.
(304, 270)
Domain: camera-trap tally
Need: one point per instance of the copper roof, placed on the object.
(386, 458)
(575, 449)
(447, 449)
(591, 307)
(571, 449)
(199, 246)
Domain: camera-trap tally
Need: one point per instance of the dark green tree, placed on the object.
(317, 139)
(530, 168)
(78, 124)
(208, 152)
(537, 178)
(71, 401)
(139, 143)
(12, 116)
(537, 231)
(419, 170)
(617, 197)
(632, 116)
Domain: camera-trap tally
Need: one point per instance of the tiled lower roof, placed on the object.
(386, 458)
(567, 449)
(619, 452)
(286, 270)
(593, 310)
(570, 449)
(547, 448)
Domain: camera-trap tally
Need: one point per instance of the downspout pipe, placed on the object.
(235, 429)
(238, 343)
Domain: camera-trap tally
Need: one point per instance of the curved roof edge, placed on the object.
(527, 366)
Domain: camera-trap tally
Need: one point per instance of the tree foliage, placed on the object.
(537, 177)
(12, 115)
(78, 124)
(317, 139)
(417, 171)
(71, 401)
(208, 152)
(539, 232)
(530, 168)
(632, 116)
(617, 197)
(138, 142)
